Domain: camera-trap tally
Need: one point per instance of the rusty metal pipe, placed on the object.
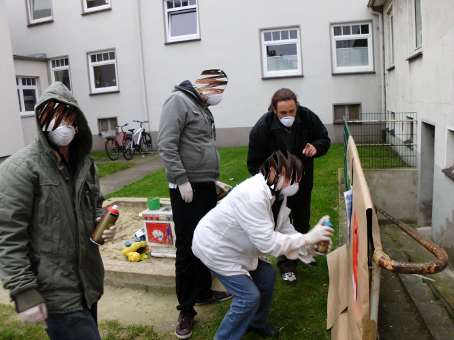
(386, 262)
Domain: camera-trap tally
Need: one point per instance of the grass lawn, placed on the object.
(300, 310)
(108, 168)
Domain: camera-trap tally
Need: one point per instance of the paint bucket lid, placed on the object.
(154, 203)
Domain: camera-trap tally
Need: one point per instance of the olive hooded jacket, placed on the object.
(47, 214)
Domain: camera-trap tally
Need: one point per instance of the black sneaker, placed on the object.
(267, 331)
(184, 326)
(215, 297)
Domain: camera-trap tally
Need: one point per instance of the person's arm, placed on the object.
(16, 207)
(170, 128)
(320, 139)
(257, 151)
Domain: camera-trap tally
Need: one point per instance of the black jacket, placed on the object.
(269, 135)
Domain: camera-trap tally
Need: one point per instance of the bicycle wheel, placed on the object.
(146, 144)
(112, 149)
(128, 149)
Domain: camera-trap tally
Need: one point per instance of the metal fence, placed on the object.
(385, 140)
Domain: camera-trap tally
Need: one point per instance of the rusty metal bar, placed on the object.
(385, 261)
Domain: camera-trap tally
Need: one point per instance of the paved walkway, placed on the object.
(143, 166)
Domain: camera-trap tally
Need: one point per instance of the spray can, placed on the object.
(323, 246)
(106, 222)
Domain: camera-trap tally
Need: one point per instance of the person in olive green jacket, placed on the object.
(49, 200)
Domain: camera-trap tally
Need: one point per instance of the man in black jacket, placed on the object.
(287, 126)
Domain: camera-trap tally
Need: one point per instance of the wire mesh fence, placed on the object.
(384, 139)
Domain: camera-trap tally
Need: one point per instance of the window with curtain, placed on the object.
(39, 11)
(181, 20)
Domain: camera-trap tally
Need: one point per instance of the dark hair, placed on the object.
(280, 96)
(281, 162)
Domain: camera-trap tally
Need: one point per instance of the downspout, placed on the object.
(142, 64)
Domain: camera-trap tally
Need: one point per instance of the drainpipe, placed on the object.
(378, 11)
(141, 63)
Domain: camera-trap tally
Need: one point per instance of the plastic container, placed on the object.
(154, 203)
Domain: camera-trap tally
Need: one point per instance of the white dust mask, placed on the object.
(214, 99)
(290, 190)
(62, 135)
(287, 121)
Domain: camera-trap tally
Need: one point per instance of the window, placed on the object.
(281, 53)
(107, 126)
(103, 71)
(27, 94)
(90, 6)
(352, 50)
(59, 71)
(346, 112)
(182, 20)
(39, 11)
(390, 37)
(418, 24)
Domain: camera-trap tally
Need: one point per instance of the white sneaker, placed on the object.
(289, 277)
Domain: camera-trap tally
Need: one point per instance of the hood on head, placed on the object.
(58, 92)
(187, 87)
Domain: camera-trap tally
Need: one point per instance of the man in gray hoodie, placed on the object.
(187, 148)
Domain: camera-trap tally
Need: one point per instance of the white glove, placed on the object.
(109, 234)
(36, 314)
(186, 192)
(319, 233)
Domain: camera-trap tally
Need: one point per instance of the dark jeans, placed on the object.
(193, 279)
(74, 326)
(300, 204)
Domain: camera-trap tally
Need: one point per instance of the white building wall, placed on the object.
(11, 137)
(426, 85)
(40, 70)
(230, 40)
(72, 34)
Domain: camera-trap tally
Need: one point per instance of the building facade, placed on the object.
(419, 77)
(123, 58)
(11, 135)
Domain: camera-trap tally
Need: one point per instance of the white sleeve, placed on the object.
(253, 213)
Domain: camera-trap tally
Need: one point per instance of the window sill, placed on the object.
(31, 24)
(172, 42)
(449, 172)
(283, 76)
(27, 115)
(100, 93)
(391, 68)
(96, 11)
(351, 73)
(416, 55)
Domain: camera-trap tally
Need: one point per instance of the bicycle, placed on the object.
(139, 141)
(114, 145)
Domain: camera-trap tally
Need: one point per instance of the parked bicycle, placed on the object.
(115, 145)
(139, 141)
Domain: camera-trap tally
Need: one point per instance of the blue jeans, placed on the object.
(251, 301)
(74, 326)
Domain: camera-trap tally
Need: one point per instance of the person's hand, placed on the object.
(109, 234)
(186, 192)
(34, 315)
(319, 233)
(309, 150)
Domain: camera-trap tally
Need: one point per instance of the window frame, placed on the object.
(106, 133)
(86, 10)
(182, 38)
(20, 87)
(414, 51)
(91, 74)
(60, 68)
(360, 112)
(263, 53)
(390, 38)
(370, 41)
(45, 20)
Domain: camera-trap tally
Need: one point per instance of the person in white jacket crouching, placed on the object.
(232, 239)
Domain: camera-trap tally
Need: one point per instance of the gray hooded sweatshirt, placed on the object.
(187, 138)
